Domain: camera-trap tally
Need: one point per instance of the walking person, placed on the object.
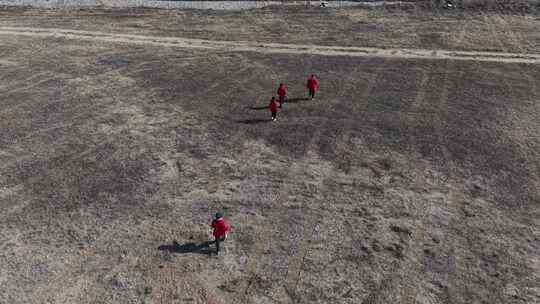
(220, 229)
(312, 85)
(273, 106)
(282, 93)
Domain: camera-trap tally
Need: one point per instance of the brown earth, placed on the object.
(406, 180)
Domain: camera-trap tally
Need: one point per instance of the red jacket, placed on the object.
(273, 106)
(220, 227)
(282, 90)
(312, 83)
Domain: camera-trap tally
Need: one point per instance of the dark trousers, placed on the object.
(311, 93)
(217, 241)
(274, 114)
(281, 100)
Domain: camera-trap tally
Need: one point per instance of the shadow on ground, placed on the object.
(291, 100)
(296, 100)
(254, 121)
(175, 247)
(259, 108)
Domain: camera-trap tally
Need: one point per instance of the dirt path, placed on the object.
(271, 48)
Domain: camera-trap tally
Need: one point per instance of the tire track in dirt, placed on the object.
(236, 139)
(401, 275)
(409, 281)
(270, 48)
(534, 91)
(30, 79)
(522, 132)
(390, 281)
(364, 97)
(27, 87)
(457, 269)
(296, 261)
(458, 274)
(408, 290)
(518, 44)
(357, 106)
(362, 102)
(416, 106)
(440, 107)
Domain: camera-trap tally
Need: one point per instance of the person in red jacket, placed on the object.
(273, 106)
(312, 85)
(282, 93)
(220, 229)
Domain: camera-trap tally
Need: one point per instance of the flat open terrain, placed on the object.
(410, 179)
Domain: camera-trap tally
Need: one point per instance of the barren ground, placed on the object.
(408, 180)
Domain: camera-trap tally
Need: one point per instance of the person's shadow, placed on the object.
(288, 100)
(252, 121)
(191, 247)
(296, 100)
(259, 108)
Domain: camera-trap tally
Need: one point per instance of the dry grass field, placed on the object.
(410, 179)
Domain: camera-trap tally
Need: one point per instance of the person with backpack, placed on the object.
(273, 107)
(282, 93)
(312, 85)
(220, 229)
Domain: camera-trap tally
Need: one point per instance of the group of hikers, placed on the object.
(312, 86)
(218, 224)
